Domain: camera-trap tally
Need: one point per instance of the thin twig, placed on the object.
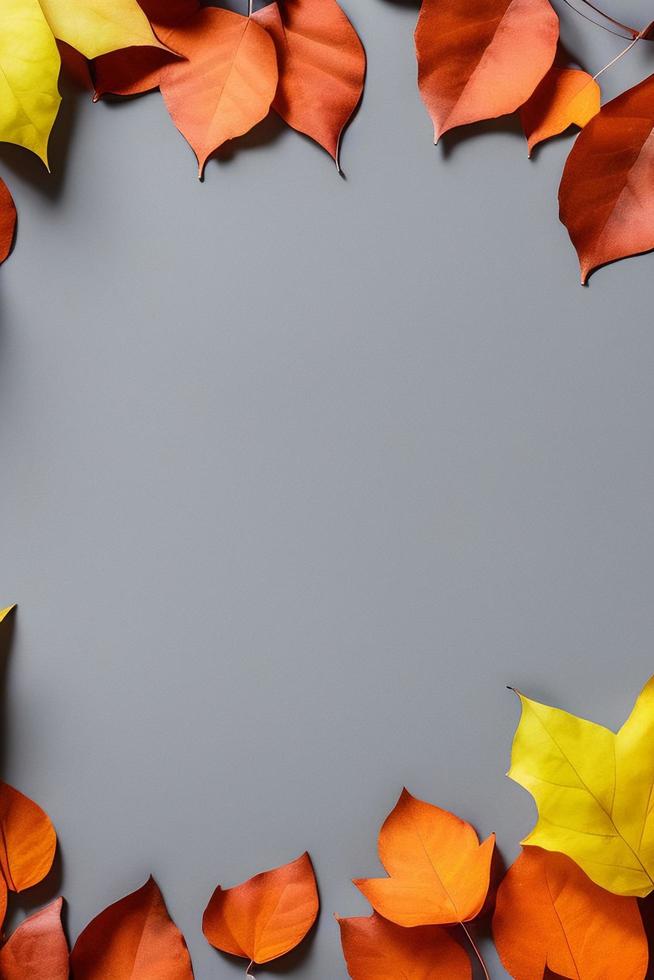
(250, 966)
(476, 950)
(617, 57)
(596, 23)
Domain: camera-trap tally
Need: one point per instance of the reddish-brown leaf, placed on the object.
(479, 59)
(375, 949)
(607, 191)
(550, 914)
(439, 873)
(75, 66)
(7, 224)
(565, 97)
(322, 66)
(37, 949)
(27, 840)
(134, 938)
(265, 917)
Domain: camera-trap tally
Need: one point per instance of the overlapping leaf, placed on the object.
(27, 840)
(266, 916)
(565, 97)
(7, 233)
(37, 949)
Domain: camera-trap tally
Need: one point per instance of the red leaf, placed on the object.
(606, 195)
(7, 221)
(136, 938)
(322, 66)
(37, 949)
(479, 59)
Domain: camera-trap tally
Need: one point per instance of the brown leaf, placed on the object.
(606, 195)
(265, 917)
(27, 840)
(479, 59)
(37, 949)
(322, 66)
(134, 938)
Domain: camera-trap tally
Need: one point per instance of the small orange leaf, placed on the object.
(265, 917)
(550, 914)
(438, 871)
(3, 899)
(565, 97)
(7, 233)
(478, 59)
(606, 195)
(136, 938)
(375, 949)
(37, 949)
(27, 840)
(322, 66)
(225, 82)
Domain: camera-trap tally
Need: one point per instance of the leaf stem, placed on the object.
(476, 949)
(617, 57)
(250, 12)
(250, 965)
(616, 23)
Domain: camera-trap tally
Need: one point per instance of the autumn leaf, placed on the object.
(550, 914)
(594, 790)
(27, 840)
(322, 66)
(565, 97)
(265, 917)
(376, 949)
(479, 59)
(37, 949)
(5, 612)
(606, 195)
(438, 871)
(136, 938)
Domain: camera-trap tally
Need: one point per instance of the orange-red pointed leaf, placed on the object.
(438, 871)
(226, 81)
(37, 949)
(322, 67)
(566, 97)
(478, 59)
(266, 916)
(27, 840)
(133, 939)
(607, 191)
(550, 914)
(7, 232)
(375, 949)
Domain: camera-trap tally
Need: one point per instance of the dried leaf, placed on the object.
(134, 938)
(322, 66)
(593, 789)
(438, 871)
(550, 914)
(565, 97)
(478, 59)
(607, 192)
(265, 917)
(27, 840)
(8, 220)
(37, 949)
(375, 949)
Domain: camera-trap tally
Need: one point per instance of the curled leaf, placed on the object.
(566, 97)
(479, 59)
(375, 949)
(136, 938)
(37, 949)
(550, 914)
(27, 840)
(438, 871)
(265, 917)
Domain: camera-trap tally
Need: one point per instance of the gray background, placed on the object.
(297, 474)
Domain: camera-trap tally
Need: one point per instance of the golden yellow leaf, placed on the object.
(95, 27)
(5, 612)
(594, 790)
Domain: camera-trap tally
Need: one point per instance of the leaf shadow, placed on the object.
(7, 628)
(450, 142)
(265, 133)
(646, 906)
(290, 962)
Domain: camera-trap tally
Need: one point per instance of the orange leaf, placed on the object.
(7, 230)
(266, 916)
(439, 873)
(227, 82)
(322, 67)
(27, 840)
(37, 949)
(136, 938)
(478, 59)
(607, 191)
(565, 97)
(375, 949)
(550, 914)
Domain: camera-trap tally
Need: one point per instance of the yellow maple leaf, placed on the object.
(594, 790)
(29, 59)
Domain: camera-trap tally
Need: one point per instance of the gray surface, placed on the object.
(297, 474)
